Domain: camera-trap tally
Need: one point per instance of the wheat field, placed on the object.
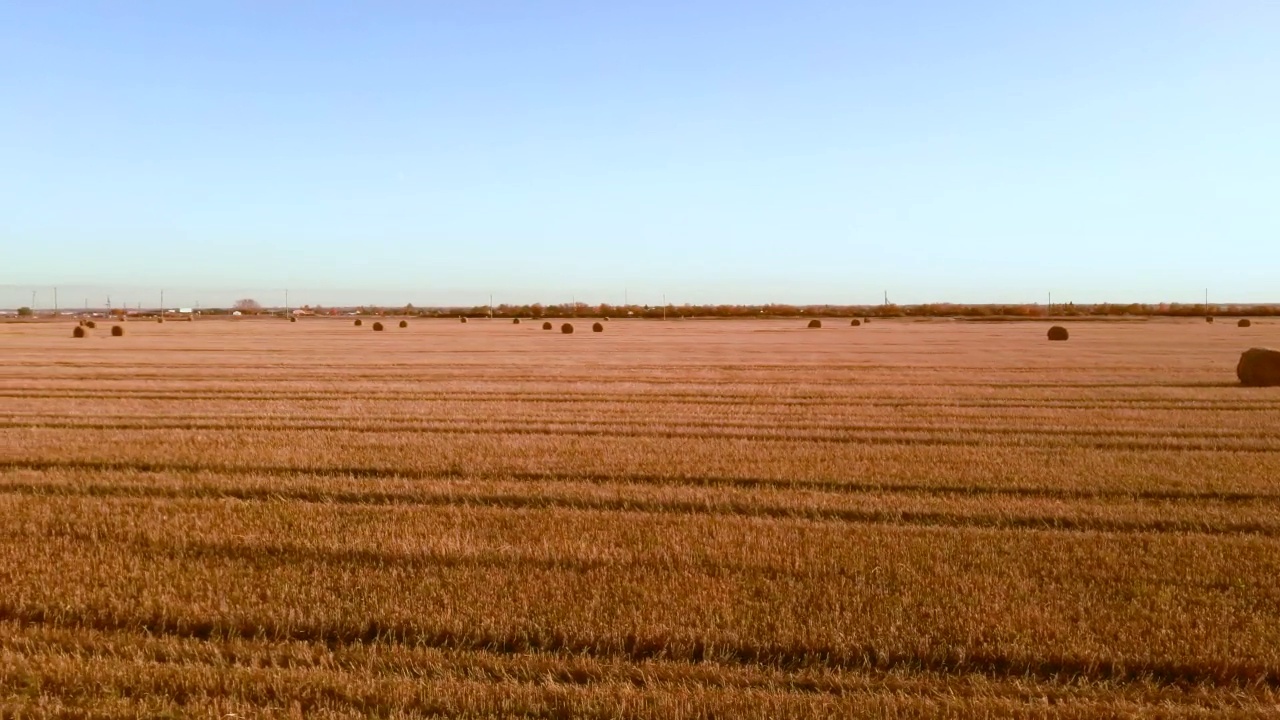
(678, 519)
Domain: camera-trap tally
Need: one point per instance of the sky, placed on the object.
(701, 151)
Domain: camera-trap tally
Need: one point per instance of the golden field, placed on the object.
(691, 518)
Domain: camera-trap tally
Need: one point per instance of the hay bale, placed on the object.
(1259, 367)
(1244, 322)
(597, 328)
(117, 330)
(463, 319)
(567, 329)
(546, 326)
(78, 332)
(159, 319)
(866, 320)
(605, 318)
(1209, 319)
(293, 319)
(377, 327)
(1058, 333)
(404, 323)
(515, 321)
(815, 323)
(90, 324)
(855, 322)
(359, 322)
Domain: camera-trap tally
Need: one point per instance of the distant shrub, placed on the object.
(567, 329)
(117, 330)
(546, 326)
(1244, 322)
(359, 322)
(1058, 333)
(78, 332)
(597, 328)
(404, 323)
(855, 322)
(815, 323)
(377, 327)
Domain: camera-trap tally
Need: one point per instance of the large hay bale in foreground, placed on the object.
(567, 329)
(815, 323)
(546, 326)
(1259, 367)
(1058, 333)
(597, 328)
(855, 322)
(377, 327)
(404, 323)
(78, 332)
(117, 330)
(1244, 322)
(359, 322)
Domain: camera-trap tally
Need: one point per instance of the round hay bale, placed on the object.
(404, 323)
(1209, 319)
(598, 327)
(855, 322)
(159, 319)
(567, 329)
(293, 319)
(90, 324)
(866, 320)
(78, 332)
(815, 323)
(1259, 367)
(1058, 333)
(117, 330)
(377, 327)
(515, 321)
(1244, 322)
(605, 318)
(359, 322)
(463, 319)
(546, 326)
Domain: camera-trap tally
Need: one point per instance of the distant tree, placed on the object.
(247, 305)
(25, 312)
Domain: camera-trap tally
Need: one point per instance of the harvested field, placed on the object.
(680, 519)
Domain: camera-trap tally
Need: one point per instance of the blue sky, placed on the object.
(713, 151)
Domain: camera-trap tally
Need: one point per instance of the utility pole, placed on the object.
(286, 302)
(162, 304)
(55, 302)
(664, 306)
(33, 303)
(1050, 303)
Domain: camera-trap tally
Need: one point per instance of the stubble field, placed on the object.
(667, 519)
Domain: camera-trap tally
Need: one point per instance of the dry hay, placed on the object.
(377, 327)
(359, 322)
(815, 323)
(605, 318)
(78, 332)
(855, 322)
(90, 324)
(117, 330)
(515, 321)
(293, 319)
(546, 326)
(597, 327)
(159, 319)
(404, 323)
(1244, 322)
(1259, 367)
(567, 329)
(1209, 319)
(463, 319)
(1058, 333)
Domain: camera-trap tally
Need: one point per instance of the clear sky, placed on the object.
(711, 151)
